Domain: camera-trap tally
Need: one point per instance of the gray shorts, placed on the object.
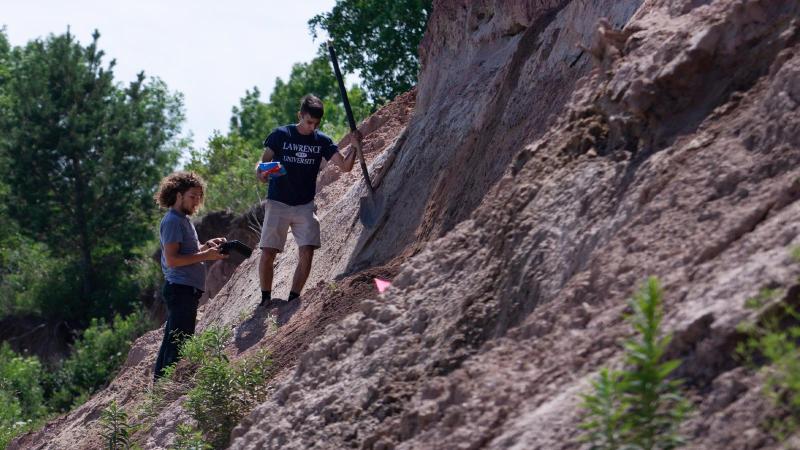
(278, 217)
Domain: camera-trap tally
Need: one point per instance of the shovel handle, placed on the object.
(350, 119)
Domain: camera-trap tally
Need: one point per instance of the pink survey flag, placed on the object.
(382, 285)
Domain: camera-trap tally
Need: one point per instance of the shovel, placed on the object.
(371, 207)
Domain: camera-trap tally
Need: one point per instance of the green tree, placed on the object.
(378, 40)
(253, 119)
(6, 226)
(228, 166)
(84, 156)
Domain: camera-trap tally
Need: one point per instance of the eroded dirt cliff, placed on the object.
(558, 153)
(676, 157)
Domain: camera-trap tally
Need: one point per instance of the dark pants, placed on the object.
(182, 304)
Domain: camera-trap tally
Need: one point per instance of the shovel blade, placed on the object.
(370, 211)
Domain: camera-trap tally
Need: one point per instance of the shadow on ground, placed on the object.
(252, 330)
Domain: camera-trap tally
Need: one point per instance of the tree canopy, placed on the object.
(84, 157)
(378, 40)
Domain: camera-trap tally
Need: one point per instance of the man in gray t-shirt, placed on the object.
(182, 259)
(177, 228)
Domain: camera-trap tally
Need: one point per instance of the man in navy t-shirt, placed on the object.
(299, 149)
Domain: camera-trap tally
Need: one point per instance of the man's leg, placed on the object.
(158, 372)
(182, 305)
(306, 230)
(273, 239)
(305, 256)
(266, 267)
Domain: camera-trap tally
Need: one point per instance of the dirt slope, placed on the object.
(233, 304)
(678, 157)
(553, 160)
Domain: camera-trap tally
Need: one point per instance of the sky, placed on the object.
(211, 51)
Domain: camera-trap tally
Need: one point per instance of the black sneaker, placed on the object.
(272, 303)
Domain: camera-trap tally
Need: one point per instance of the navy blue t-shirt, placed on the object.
(301, 155)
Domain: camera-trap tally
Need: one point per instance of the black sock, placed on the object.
(266, 296)
(293, 295)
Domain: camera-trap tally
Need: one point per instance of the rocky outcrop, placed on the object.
(558, 153)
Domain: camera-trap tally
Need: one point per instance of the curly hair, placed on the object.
(174, 183)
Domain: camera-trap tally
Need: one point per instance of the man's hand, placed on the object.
(267, 156)
(213, 253)
(213, 243)
(261, 176)
(356, 138)
(206, 252)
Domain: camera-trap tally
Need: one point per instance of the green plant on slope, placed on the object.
(223, 391)
(164, 391)
(207, 346)
(763, 297)
(212, 402)
(772, 343)
(189, 438)
(795, 253)
(638, 407)
(605, 411)
(115, 428)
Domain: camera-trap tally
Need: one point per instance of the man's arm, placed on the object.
(267, 155)
(345, 163)
(175, 259)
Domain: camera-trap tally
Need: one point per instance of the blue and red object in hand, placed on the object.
(272, 168)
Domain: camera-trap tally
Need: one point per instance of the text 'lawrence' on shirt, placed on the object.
(301, 155)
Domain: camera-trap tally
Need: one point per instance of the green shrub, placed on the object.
(115, 428)
(763, 297)
(223, 391)
(212, 402)
(795, 253)
(604, 425)
(21, 396)
(639, 406)
(95, 358)
(772, 344)
(207, 346)
(190, 439)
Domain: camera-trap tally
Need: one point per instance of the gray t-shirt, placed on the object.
(176, 227)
